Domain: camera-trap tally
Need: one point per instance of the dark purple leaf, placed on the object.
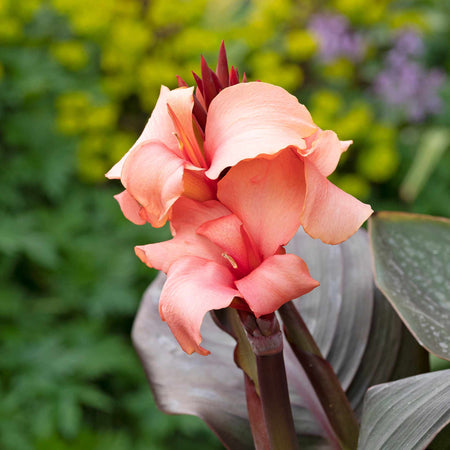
(210, 387)
(406, 413)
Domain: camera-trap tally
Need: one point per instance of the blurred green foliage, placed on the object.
(78, 80)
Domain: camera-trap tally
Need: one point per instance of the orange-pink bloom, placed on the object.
(211, 263)
(230, 251)
(244, 121)
(237, 169)
(165, 163)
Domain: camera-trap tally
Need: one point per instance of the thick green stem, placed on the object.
(266, 341)
(325, 382)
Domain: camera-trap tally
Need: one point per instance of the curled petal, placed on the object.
(179, 105)
(251, 119)
(187, 216)
(277, 280)
(194, 286)
(267, 195)
(330, 214)
(159, 127)
(131, 209)
(153, 175)
(325, 151)
(197, 186)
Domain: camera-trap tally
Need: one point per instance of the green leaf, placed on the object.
(407, 413)
(412, 259)
(433, 144)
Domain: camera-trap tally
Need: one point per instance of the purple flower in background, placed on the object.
(408, 43)
(335, 38)
(405, 84)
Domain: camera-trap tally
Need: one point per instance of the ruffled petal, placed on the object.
(187, 216)
(267, 195)
(194, 286)
(330, 214)
(250, 119)
(277, 280)
(131, 209)
(325, 151)
(153, 175)
(159, 127)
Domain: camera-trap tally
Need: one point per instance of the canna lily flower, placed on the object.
(168, 160)
(260, 121)
(192, 138)
(216, 259)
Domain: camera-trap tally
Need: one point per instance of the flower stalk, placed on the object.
(256, 416)
(322, 376)
(266, 341)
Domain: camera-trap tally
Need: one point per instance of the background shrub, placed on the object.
(78, 80)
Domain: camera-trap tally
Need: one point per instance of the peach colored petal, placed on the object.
(131, 209)
(267, 195)
(227, 233)
(277, 280)
(194, 286)
(159, 127)
(187, 216)
(345, 145)
(180, 103)
(251, 119)
(325, 151)
(153, 175)
(197, 186)
(330, 214)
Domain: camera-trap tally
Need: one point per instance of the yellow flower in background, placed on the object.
(139, 46)
(379, 159)
(152, 73)
(325, 105)
(175, 12)
(10, 30)
(25, 9)
(101, 117)
(118, 142)
(71, 108)
(356, 121)
(129, 38)
(363, 11)
(408, 19)
(378, 163)
(354, 184)
(78, 113)
(191, 41)
(301, 44)
(340, 69)
(90, 19)
(70, 54)
(270, 66)
(117, 86)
